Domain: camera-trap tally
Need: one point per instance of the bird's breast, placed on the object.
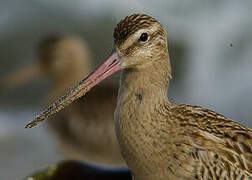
(149, 143)
(137, 133)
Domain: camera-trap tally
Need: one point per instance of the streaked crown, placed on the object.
(130, 24)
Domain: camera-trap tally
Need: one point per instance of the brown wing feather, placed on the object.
(223, 145)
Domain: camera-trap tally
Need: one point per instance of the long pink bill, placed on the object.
(111, 65)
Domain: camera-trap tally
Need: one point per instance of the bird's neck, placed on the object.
(142, 94)
(147, 86)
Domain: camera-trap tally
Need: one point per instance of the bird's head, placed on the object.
(139, 42)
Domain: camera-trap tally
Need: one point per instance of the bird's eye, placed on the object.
(143, 37)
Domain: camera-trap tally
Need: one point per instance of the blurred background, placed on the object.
(210, 44)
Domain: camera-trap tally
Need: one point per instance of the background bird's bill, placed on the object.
(111, 65)
(20, 77)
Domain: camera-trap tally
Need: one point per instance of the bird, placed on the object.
(158, 139)
(81, 133)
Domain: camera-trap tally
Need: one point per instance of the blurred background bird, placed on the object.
(82, 133)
